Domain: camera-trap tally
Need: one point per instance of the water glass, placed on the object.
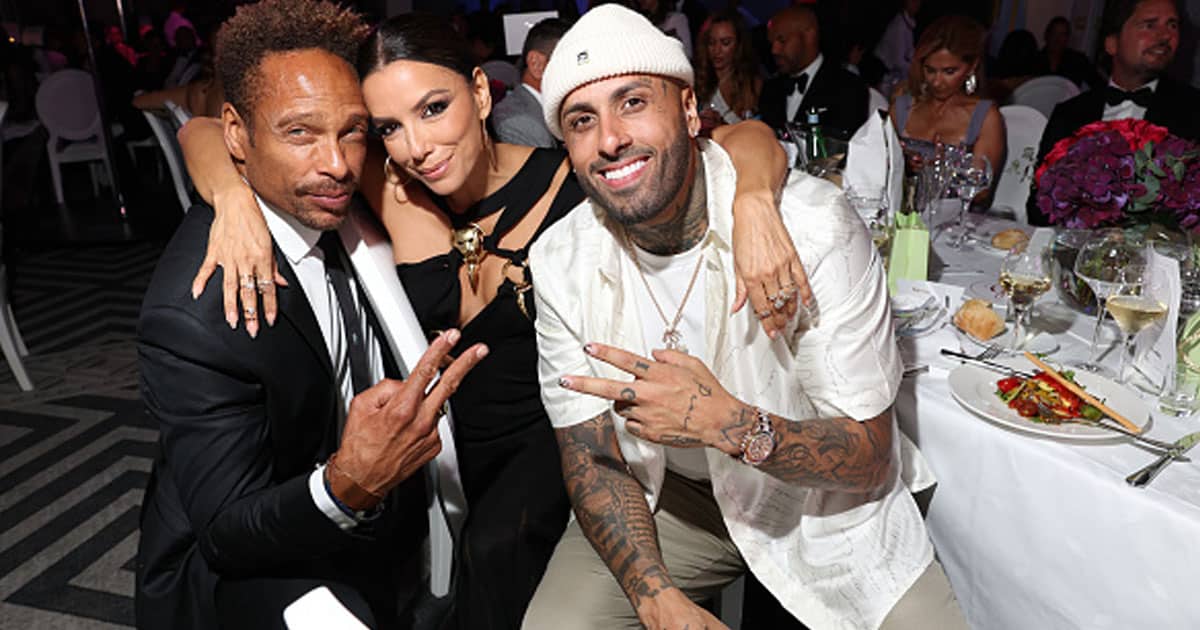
(1024, 277)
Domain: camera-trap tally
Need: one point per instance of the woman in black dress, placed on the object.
(445, 181)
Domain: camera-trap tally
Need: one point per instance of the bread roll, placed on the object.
(1008, 239)
(976, 318)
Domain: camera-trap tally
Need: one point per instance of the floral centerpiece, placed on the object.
(1121, 173)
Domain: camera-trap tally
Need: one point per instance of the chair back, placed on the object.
(180, 114)
(1023, 126)
(503, 72)
(1043, 93)
(876, 100)
(66, 105)
(174, 155)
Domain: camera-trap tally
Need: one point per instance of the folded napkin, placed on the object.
(1155, 354)
(909, 257)
(926, 349)
(875, 161)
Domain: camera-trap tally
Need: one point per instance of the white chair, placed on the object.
(180, 114)
(876, 100)
(10, 337)
(174, 157)
(503, 72)
(1043, 93)
(66, 105)
(1024, 126)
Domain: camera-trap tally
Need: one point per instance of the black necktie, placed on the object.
(796, 83)
(1141, 97)
(356, 347)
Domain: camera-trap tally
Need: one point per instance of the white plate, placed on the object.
(975, 388)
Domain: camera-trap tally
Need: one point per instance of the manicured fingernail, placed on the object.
(452, 336)
(564, 382)
(195, 293)
(773, 334)
(270, 319)
(231, 319)
(253, 330)
(589, 348)
(482, 352)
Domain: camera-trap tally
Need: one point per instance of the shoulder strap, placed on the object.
(977, 118)
(904, 105)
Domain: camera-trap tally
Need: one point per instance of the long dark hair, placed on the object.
(416, 37)
(745, 64)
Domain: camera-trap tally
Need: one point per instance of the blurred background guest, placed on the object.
(895, 47)
(1018, 62)
(518, 119)
(941, 102)
(662, 14)
(188, 57)
(1058, 58)
(805, 81)
(727, 76)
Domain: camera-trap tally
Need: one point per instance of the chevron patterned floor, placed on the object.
(74, 453)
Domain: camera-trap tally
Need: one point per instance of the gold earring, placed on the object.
(397, 184)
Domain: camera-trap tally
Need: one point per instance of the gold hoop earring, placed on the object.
(397, 183)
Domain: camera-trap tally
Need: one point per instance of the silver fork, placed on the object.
(990, 352)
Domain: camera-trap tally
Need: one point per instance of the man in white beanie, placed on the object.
(695, 447)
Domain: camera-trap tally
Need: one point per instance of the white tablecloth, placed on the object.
(1037, 533)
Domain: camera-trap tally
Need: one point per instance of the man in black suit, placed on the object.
(807, 80)
(1142, 37)
(281, 467)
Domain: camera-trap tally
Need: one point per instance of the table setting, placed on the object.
(1051, 379)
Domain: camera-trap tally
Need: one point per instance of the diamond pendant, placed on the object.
(673, 340)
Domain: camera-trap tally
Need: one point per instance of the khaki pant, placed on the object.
(579, 593)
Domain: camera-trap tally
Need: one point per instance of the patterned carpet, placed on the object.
(74, 453)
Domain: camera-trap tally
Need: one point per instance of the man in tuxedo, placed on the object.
(289, 461)
(806, 81)
(518, 117)
(1142, 37)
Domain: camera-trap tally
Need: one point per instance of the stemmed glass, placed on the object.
(1133, 310)
(972, 175)
(871, 205)
(1107, 262)
(1024, 277)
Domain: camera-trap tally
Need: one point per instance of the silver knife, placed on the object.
(1147, 474)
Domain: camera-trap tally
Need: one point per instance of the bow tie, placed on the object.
(1115, 96)
(796, 83)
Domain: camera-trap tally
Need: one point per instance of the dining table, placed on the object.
(1041, 532)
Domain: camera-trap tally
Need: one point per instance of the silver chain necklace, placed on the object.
(671, 337)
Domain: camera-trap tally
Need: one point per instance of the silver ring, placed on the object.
(264, 283)
(779, 302)
(250, 312)
(764, 314)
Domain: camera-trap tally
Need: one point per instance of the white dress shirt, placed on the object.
(536, 94)
(1127, 108)
(299, 246)
(836, 559)
(796, 97)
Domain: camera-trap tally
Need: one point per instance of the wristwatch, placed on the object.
(759, 442)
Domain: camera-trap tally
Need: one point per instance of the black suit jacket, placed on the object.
(1173, 107)
(242, 424)
(841, 93)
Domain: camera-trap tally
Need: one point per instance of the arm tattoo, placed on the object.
(832, 454)
(611, 508)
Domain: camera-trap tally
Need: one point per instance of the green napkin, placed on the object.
(909, 257)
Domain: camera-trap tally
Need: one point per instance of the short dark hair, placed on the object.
(543, 37)
(1118, 13)
(278, 26)
(417, 37)
(1055, 21)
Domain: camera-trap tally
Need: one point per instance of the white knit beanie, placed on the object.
(608, 41)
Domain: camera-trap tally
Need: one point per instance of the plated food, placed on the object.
(1044, 399)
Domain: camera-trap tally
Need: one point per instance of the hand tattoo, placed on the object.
(628, 394)
(641, 365)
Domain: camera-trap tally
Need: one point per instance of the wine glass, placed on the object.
(871, 204)
(972, 176)
(1133, 310)
(1106, 262)
(1024, 277)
